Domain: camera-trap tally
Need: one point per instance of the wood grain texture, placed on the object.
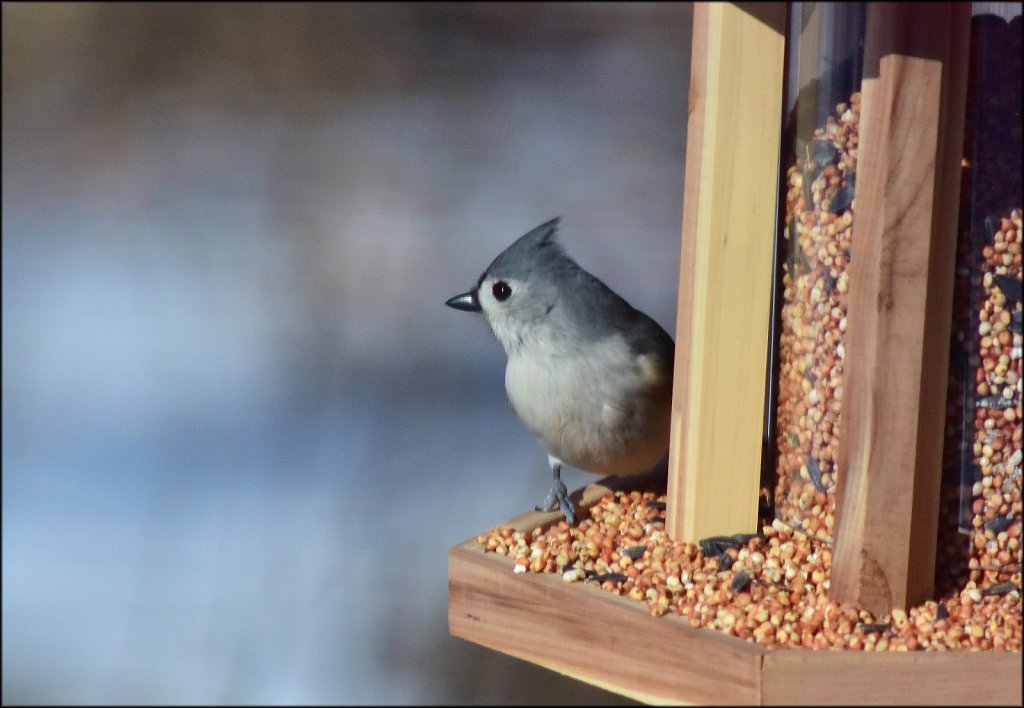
(597, 637)
(898, 320)
(728, 233)
(679, 474)
(798, 677)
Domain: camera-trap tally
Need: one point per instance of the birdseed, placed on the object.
(775, 593)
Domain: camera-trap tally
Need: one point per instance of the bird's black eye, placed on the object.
(501, 291)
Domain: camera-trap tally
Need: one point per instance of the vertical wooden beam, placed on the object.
(901, 289)
(729, 216)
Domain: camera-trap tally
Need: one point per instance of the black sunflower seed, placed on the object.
(1001, 589)
(867, 627)
(741, 581)
(843, 199)
(634, 552)
(1011, 287)
(998, 524)
(603, 577)
(815, 471)
(724, 561)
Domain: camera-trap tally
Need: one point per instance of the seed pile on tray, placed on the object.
(818, 230)
(770, 588)
(997, 427)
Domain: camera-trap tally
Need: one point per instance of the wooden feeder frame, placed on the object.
(913, 97)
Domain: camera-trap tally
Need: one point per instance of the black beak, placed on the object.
(466, 302)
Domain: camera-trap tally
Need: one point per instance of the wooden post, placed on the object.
(729, 217)
(901, 276)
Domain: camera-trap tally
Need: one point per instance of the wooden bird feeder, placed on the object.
(913, 85)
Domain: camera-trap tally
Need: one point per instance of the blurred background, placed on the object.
(240, 429)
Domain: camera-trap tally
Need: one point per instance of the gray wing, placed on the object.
(587, 294)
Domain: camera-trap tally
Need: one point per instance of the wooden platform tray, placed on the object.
(614, 643)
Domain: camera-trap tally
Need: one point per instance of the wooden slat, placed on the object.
(901, 285)
(797, 677)
(681, 480)
(729, 206)
(595, 636)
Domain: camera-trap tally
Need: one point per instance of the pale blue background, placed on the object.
(240, 429)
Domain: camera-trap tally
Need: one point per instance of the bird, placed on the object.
(589, 375)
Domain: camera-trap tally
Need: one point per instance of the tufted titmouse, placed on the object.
(589, 375)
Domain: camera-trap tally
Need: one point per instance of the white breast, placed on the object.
(598, 408)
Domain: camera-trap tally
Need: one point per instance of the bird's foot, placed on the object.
(558, 498)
